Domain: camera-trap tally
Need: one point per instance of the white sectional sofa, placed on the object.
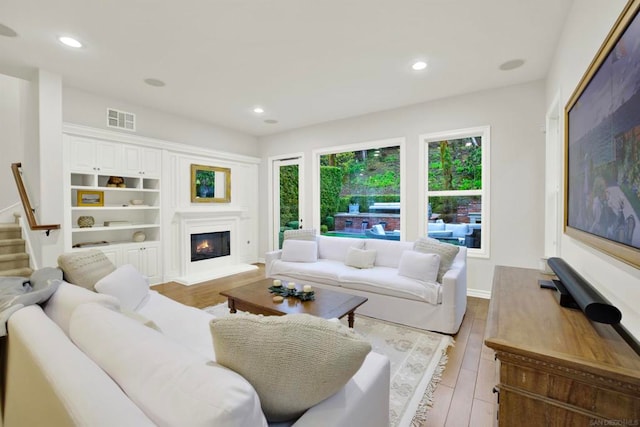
(424, 304)
(80, 361)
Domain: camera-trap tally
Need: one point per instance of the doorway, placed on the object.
(287, 197)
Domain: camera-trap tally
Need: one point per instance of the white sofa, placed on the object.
(103, 376)
(426, 305)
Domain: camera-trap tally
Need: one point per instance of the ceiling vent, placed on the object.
(121, 119)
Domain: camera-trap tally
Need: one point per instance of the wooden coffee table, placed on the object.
(256, 298)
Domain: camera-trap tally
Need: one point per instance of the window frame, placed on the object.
(368, 145)
(485, 133)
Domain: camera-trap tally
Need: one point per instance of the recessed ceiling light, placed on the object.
(154, 82)
(7, 32)
(510, 65)
(419, 65)
(69, 41)
(258, 110)
(271, 121)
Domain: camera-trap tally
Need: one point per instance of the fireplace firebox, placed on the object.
(210, 245)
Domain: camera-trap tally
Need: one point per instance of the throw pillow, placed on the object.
(293, 361)
(446, 251)
(360, 258)
(300, 234)
(299, 251)
(127, 284)
(85, 268)
(419, 266)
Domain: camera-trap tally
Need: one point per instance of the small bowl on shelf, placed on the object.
(136, 201)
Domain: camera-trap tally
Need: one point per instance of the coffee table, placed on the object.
(256, 298)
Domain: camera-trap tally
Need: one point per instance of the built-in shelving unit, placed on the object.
(119, 211)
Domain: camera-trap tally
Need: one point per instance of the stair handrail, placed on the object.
(24, 197)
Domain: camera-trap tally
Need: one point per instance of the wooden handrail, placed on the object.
(28, 210)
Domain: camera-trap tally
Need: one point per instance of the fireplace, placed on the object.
(210, 245)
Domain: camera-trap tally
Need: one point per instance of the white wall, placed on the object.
(89, 109)
(516, 117)
(13, 102)
(586, 28)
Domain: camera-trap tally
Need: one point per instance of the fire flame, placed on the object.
(204, 247)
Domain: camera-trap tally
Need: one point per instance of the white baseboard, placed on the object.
(479, 293)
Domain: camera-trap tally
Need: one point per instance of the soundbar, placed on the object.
(589, 300)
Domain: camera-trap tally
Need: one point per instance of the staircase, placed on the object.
(14, 261)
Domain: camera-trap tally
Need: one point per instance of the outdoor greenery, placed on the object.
(330, 186)
(288, 194)
(453, 165)
(358, 177)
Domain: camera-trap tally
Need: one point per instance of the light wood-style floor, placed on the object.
(464, 395)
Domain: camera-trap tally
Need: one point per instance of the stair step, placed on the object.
(12, 261)
(11, 246)
(23, 272)
(10, 231)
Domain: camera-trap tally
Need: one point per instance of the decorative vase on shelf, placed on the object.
(86, 221)
(139, 236)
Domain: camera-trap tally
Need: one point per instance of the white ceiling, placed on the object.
(303, 61)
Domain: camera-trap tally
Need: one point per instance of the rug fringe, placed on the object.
(427, 399)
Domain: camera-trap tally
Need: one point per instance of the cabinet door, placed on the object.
(151, 162)
(108, 157)
(82, 155)
(151, 261)
(132, 256)
(132, 159)
(113, 255)
(146, 259)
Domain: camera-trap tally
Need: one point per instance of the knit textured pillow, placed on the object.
(446, 251)
(293, 361)
(300, 234)
(85, 268)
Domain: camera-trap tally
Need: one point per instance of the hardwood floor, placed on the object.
(464, 395)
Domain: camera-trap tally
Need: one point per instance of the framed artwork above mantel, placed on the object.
(210, 184)
(602, 146)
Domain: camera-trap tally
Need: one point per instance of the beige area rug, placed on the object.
(417, 360)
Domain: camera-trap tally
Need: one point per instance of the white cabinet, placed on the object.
(145, 258)
(117, 212)
(89, 155)
(141, 161)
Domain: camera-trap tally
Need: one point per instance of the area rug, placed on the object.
(417, 360)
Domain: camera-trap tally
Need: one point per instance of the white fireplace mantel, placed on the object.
(198, 220)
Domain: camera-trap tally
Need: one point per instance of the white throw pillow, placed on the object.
(360, 258)
(293, 361)
(173, 385)
(446, 251)
(419, 266)
(299, 251)
(127, 284)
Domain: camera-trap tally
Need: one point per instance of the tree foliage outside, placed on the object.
(368, 176)
(453, 165)
(330, 186)
(289, 194)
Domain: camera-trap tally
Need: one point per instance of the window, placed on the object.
(359, 190)
(456, 181)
